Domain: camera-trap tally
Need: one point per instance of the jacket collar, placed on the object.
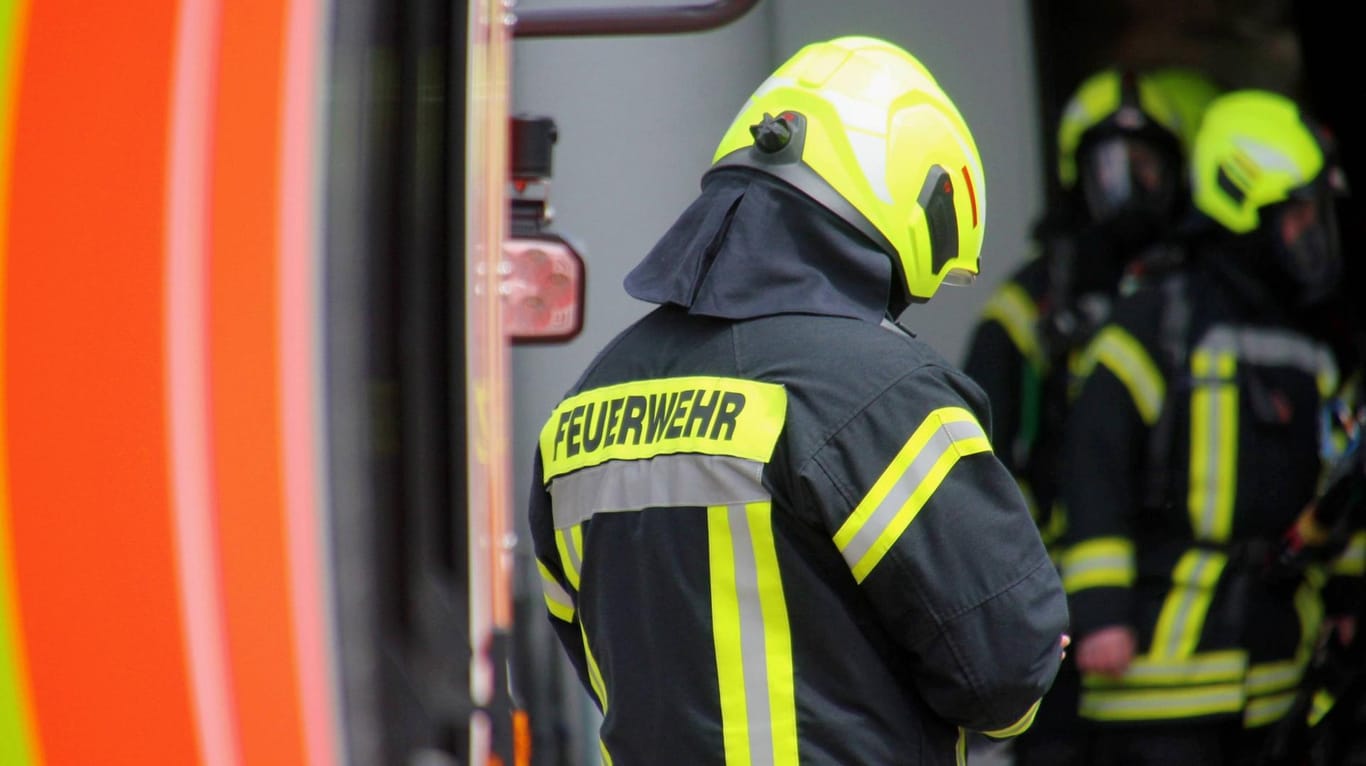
(752, 246)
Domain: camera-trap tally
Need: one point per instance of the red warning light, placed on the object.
(543, 290)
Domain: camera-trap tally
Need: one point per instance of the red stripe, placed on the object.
(972, 194)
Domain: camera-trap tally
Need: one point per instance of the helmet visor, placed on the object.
(1127, 174)
(1308, 249)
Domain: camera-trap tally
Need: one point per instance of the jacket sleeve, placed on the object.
(561, 597)
(936, 532)
(1118, 396)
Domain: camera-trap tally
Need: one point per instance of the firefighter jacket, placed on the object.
(784, 538)
(1030, 331)
(1009, 357)
(1194, 442)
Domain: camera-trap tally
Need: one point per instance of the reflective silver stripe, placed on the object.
(1213, 441)
(1271, 677)
(1160, 704)
(1271, 348)
(1260, 712)
(1128, 361)
(940, 442)
(1215, 667)
(1195, 590)
(1099, 563)
(1015, 311)
(557, 599)
(683, 480)
(1212, 473)
(751, 637)
(571, 551)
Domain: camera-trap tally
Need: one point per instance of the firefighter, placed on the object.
(1194, 441)
(1121, 144)
(1121, 170)
(768, 520)
(1324, 725)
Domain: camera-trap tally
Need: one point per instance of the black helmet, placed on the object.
(1120, 151)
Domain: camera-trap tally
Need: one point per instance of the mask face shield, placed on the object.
(1127, 175)
(1307, 248)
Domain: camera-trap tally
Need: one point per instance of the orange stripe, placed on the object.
(244, 299)
(85, 387)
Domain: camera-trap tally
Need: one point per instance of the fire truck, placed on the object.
(260, 267)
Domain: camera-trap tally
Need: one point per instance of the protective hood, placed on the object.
(752, 246)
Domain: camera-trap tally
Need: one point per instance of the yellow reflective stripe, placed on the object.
(1315, 575)
(1019, 726)
(606, 756)
(595, 678)
(1268, 710)
(557, 600)
(1352, 561)
(644, 419)
(1328, 375)
(570, 544)
(726, 634)
(1228, 666)
(960, 748)
(752, 637)
(1214, 444)
(1309, 606)
(1320, 706)
(1160, 704)
(1124, 356)
(1101, 562)
(1056, 527)
(1015, 311)
(906, 485)
(1270, 677)
(1183, 611)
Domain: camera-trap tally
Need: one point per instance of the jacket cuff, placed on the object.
(1019, 727)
